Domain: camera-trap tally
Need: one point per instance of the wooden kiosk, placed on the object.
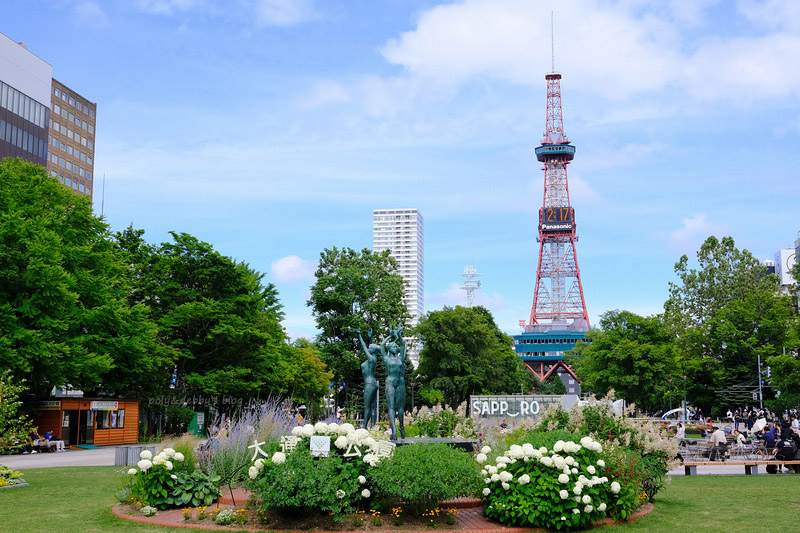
(95, 421)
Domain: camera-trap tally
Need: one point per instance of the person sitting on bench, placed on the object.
(719, 444)
(767, 441)
(59, 443)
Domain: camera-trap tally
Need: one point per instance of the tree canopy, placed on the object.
(464, 353)
(354, 292)
(63, 311)
(633, 355)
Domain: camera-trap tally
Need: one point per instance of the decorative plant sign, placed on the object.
(320, 445)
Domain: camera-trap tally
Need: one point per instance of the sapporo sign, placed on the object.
(496, 406)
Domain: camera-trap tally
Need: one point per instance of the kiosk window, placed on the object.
(110, 419)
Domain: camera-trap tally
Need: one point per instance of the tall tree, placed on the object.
(631, 354)
(725, 313)
(220, 320)
(354, 292)
(464, 353)
(64, 319)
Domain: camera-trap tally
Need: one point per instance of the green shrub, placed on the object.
(9, 476)
(562, 487)
(537, 439)
(167, 481)
(304, 484)
(424, 475)
(194, 488)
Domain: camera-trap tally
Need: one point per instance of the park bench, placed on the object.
(43, 445)
(750, 467)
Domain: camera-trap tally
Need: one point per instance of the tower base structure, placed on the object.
(542, 350)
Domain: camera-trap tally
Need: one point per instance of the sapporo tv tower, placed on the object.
(558, 316)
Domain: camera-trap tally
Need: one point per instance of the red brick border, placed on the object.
(471, 521)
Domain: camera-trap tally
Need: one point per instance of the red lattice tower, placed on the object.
(558, 297)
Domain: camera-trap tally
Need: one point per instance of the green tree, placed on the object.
(464, 353)
(14, 427)
(631, 354)
(215, 314)
(725, 313)
(353, 292)
(64, 319)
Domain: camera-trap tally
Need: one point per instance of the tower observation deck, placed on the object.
(558, 316)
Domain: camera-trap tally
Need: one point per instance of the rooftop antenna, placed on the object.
(471, 284)
(552, 44)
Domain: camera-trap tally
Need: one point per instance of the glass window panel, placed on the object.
(91, 128)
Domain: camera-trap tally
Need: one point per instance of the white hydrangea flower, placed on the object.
(506, 476)
(369, 442)
(491, 469)
(371, 459)
(564, 494)
(558, 446)
(252, 472)
(590, 469)
(574, 470)
(278, 458)
(173, 476)
(505, 486)
(582, 479)
(615, 487)
(563, 518)
(546, 461)
(515, 452)
(586, 441)
(588, 509)
(259, 463)
(486, 491)
(362, 479)
(537, 454)
(178, 457)
(487, 480)
(601, 463)
(298, 431)
(495, 477)
(321, 428)
(146, 454)
(168, 464)
(604, 479)
(144, 465)
(569, 460)
(571, 447)
(587, 499)
(484, 472)
(576, 511)
(524, 479)
(132, 471)
(566, 470)
(346, 429)
(543, 450)
(365, 493)
(169, 452)
(527, 449)
(601, 507)
(308, 430)
(486, 450)
(503, 460)
(341, 442)
(159, 460)
(333, 428)
(340, 494)
(481, 458)
(578, 489)
(563, 478)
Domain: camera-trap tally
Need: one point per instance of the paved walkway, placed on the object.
(72, 457)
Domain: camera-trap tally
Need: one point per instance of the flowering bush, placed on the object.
(441, 421)
(163, 481)
(555, 488)
(295, 481)
(424, 475)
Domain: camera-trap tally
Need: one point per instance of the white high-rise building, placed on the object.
(401, 232)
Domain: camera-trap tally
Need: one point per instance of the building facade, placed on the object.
(401, 232)
(44, 121)
(71, 148)
(24, 102)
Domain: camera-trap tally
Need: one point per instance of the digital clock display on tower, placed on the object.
(556, 219)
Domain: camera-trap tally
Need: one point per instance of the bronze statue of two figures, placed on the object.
(393, 352)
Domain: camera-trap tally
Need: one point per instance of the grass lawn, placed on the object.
(80, 498)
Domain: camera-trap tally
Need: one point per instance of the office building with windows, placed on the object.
(401, 232)
(71, 149)
(44, 121)
(24, 102)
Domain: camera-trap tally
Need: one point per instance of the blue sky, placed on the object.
(272, 128)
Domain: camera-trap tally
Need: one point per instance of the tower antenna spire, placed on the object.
(552, 44)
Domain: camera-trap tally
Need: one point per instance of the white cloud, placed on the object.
(284, 12)
(325, 92)
(167, 7)
(91, 14)
(695, 230)
(291, 269)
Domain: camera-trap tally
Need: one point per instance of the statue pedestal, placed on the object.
(462, 444)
